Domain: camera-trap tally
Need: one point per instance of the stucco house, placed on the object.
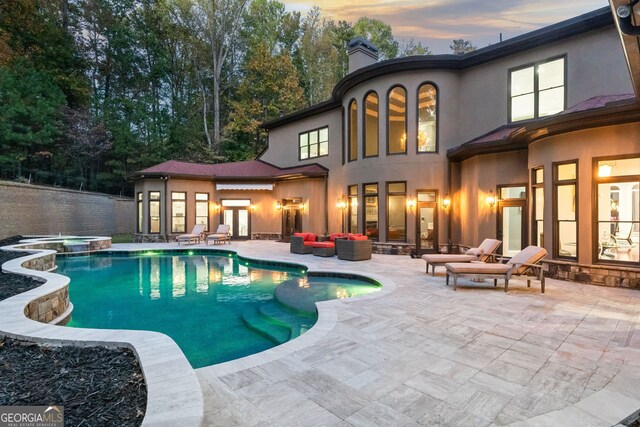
(535, 140)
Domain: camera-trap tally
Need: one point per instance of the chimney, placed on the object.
(361, 53)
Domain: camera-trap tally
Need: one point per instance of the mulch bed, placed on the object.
(97, 386)
(14, 284)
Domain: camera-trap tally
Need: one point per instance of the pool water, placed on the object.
(216, 308)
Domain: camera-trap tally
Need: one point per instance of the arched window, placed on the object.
(371, 120)
(427, 118)
(353, 130)
(397, 121)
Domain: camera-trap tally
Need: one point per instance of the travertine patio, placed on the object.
(420, 353)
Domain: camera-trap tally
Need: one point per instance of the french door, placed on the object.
(512, 216)
(237, 217)
(427, 222)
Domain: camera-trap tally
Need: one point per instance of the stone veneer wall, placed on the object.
(602, 275)
(31, 210)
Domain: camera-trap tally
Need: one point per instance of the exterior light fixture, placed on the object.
(216, 206)
(491, 199)
(604, 170)
(411, 203)
(342, 202)
(301, 206)
(278, 205)
(446, 202)
(252, 207)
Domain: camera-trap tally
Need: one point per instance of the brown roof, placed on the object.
(240, 170)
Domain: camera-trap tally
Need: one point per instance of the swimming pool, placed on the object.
(215, 307)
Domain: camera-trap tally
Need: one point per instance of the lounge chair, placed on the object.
(222, 234)
(195, 235)
(525, 263)
(300, 243)
(485, 253)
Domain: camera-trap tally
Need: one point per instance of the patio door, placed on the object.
(237, 214)
(427, 222)
(512, 207)
(291, 222)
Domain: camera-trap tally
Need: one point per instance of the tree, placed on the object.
(378, 33)
(269, 89)
(30, 121)
(462, 46)
(411, 48)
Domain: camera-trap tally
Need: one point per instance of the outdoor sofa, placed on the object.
(485, 252)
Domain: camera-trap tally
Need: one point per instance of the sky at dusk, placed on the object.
(436, 22)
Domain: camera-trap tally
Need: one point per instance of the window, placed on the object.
(353, 209)
(618, 210)
(202, 210)
(537, 90)
(353, 130)
(537, 226)
(314, 143)
(371, 125)
(178, 212)
(154, 212)
(396, 211)
(397, 121)
(371, 211)
(427, 118)
(566, 210)
(139, 210)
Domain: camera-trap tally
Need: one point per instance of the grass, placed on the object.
(122, 238)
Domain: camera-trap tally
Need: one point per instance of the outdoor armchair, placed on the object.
(525, 263)
(353, 248)
(196, 234)
(300, 243)
(222, 234)
(486, 252)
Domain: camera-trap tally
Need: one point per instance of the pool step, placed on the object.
(268, 329)
(275, 312)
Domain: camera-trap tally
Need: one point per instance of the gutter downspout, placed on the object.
(326, 203)
(166, 210)
(450, 214)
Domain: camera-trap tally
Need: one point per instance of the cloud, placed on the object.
(436, 22)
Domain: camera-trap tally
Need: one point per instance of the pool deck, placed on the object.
(418, 353)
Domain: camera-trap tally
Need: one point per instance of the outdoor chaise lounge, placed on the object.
(195, 235)
(525, 263)
(485, 252)
(222, 234)
(354, 248)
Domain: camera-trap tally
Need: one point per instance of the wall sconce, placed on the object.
(301, 206)
(252, 207)
(491, 199)
(604, 170)
(342, 202)
(411, 203)
(216, 206)
(446, 202)
(278, 205)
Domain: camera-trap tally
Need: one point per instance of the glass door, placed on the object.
(237, 214)
(511, 219)
(427, 218)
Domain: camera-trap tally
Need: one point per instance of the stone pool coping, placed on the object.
(174, 394)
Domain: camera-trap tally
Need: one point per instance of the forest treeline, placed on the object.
(93, 90)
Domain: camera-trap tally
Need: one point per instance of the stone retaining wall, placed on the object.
(602, 275)
(37, 210)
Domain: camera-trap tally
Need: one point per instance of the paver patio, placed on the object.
(424, 354)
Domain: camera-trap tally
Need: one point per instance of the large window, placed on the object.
(537, 226)
(353, 209)
(427, 118)
(353, 130)
(397, 121)
(566, 210)
(202, 210)
(371, 125)
(178, 212)
(314, 143)
(154, 212)
(537, 90)
(139, 211)
(371, 211)
(618, 207)
(396, 211)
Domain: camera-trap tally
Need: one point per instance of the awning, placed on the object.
(267, 187)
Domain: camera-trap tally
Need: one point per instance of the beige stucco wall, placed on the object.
(472, 218)
(29, 209)
(583, 146)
